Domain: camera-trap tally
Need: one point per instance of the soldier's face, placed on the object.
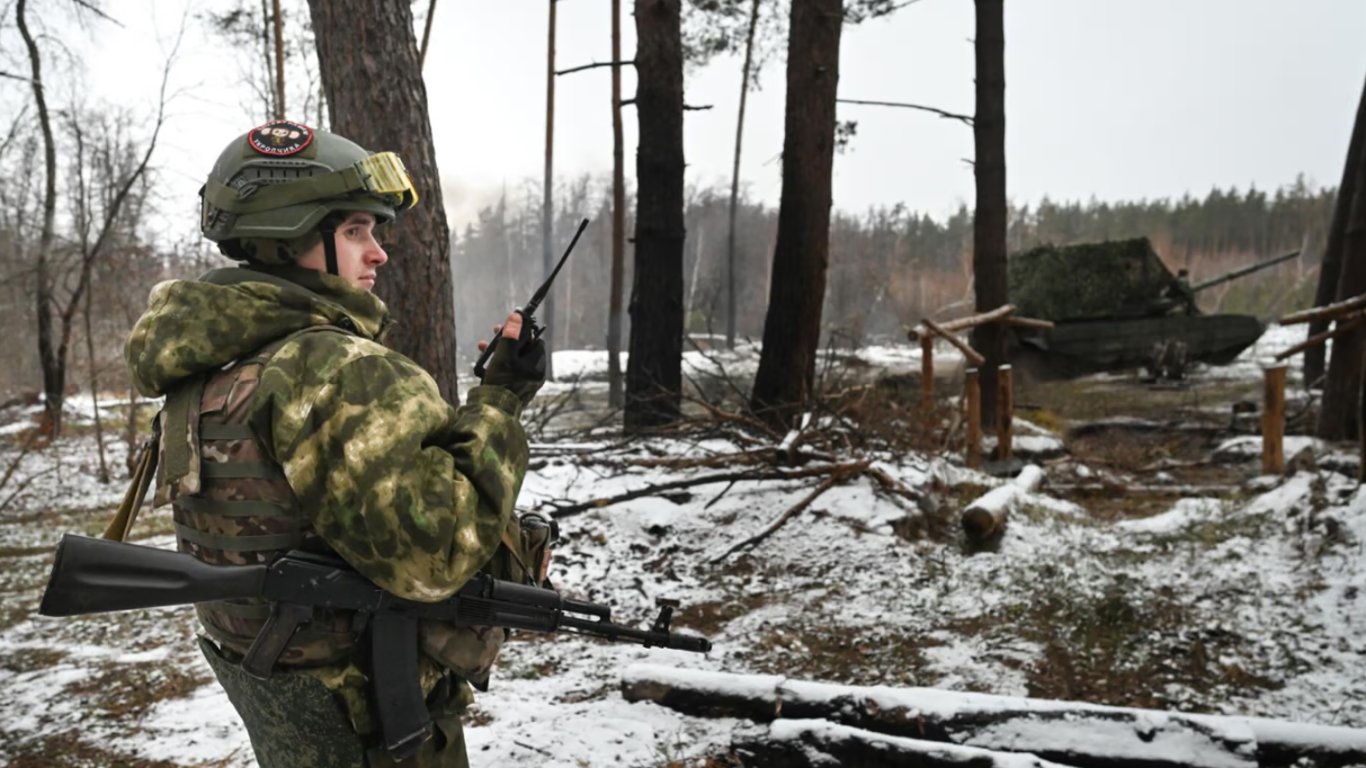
(359, 254)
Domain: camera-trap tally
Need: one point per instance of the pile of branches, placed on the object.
(836, 442)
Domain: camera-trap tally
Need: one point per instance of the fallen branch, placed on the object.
(719, 477)
(837, 474)
(770, 456)
(891, 484)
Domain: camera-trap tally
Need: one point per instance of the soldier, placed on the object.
(288, 425)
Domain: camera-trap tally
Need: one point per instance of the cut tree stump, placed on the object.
(1070, 733)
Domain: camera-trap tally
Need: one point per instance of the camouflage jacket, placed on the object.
(411, 492)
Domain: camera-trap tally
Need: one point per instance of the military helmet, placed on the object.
(281, 180)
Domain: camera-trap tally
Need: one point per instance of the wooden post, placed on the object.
(972, 398)
(1273, 420)
(1005, 411)
(926, 373)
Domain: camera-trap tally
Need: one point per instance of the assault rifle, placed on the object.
(530, 330)
(98, 575)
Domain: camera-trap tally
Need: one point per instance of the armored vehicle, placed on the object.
(1115, 305)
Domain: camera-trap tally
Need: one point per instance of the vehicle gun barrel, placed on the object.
(1237, 273)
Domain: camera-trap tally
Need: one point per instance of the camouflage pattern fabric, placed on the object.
(411, 492)
(294, 721)
(243, 513)
(1123, 278)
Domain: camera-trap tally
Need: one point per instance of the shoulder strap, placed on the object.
(146, 468)
(180, 452)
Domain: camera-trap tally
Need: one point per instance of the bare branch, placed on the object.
(426, 35)
(718, 477)
(691, 108)
(97, 11)
(965, 119)
(596, 65)
(838, 473)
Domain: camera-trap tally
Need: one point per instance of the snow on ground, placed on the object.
(1250, 607)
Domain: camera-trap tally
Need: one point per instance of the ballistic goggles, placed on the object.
(381, 175)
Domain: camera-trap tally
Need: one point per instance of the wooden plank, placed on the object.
(1343, 325)
(972, 400)
(926, 373)
(962, 323)
(1273, 420)
(968, 352)
(1005, 411)
(1029, 322)
(1327, 311)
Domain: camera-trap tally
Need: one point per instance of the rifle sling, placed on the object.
(143, 473)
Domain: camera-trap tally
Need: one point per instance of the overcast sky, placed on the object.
(1117, 99)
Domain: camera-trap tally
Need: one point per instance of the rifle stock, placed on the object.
(99, 575)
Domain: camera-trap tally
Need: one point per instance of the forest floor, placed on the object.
(1156, 568)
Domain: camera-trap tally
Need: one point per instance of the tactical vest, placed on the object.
(233, 506)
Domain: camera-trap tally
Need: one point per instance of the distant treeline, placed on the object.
(888, 266)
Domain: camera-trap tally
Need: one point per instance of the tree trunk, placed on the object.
(787, 367)
(367, 54)
(989, 221)
(654, 369)
(1340, 413)
(614, 394)
(735, 176)
(54, 376)
(278, 25)
(1330, 267)
(548, 197)
(95, 387)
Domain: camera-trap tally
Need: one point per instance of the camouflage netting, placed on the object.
(1089, 280)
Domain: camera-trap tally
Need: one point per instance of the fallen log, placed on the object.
(1073, 733)
(800, 743)
(986, 516)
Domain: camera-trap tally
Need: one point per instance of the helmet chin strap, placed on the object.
(330, 250)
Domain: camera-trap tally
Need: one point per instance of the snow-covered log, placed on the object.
(1071, 733)
(985, 516)
(800, 743)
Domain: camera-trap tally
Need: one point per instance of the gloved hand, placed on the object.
(518, 362)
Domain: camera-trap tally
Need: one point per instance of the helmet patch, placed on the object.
(280, 138)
